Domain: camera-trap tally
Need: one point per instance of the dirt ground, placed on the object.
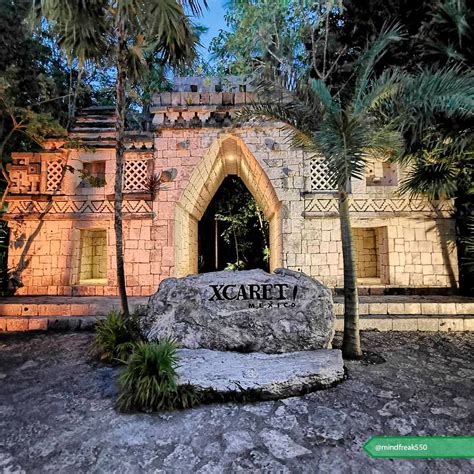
(57, 414)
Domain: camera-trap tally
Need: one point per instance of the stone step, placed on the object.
(97, 110)
(94, 118)
(387, 290)
(94, 134)
(383, 322)
(405, 322)
(234, 375)
(386, 313)
(92, 130)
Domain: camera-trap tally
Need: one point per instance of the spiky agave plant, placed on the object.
(149, 381)
(115, 337)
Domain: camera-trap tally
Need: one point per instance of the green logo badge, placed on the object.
(420, 447)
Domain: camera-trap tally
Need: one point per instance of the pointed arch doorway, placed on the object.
(227, 156)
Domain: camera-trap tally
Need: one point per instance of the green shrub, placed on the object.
(149, 381)
(115, 337)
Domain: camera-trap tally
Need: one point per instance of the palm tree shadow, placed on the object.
(15, 275)
(447, 241)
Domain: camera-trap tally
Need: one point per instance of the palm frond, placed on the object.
(431, 97)
(82, 28)
(170, 32)
(321, 91)
(430, 177)
(385, 140)
(390, 33)
(194, 5)
(341, 139)
(293, 114)
(452, 14)
(379, 91)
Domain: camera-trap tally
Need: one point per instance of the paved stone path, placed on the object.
(56, 414)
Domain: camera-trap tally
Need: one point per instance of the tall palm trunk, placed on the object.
(119, 150)
(351, 341)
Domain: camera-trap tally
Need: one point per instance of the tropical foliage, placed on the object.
(149, 381)
(279, 36)
(346, 130)
(242, 219)
(125, 31)
(115, 337)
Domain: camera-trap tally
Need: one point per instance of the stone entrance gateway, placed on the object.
(400, 242)
(228, 155)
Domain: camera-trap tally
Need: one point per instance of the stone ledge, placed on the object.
(60, 323)
(433, 323)
(414, 307)
(408, 322)
(234, 375)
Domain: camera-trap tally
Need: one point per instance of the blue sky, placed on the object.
(213, 18)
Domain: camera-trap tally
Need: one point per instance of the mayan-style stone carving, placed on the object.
(248, 311)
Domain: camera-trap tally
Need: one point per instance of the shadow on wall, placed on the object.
(15, 274)
(448, 246)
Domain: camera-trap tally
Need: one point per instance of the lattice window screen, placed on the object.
(135, 174)
(54, 175)
(320, 177)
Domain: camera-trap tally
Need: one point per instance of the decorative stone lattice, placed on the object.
(25, 174)
(54, 175)
(135, 175)
(320, 177)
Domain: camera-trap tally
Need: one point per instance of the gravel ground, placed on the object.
(57, 415)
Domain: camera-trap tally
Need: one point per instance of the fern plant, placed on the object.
(149, 381)
(115, 337)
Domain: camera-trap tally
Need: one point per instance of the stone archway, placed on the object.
(228, 155)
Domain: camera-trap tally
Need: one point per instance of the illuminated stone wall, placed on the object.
(413, 240)
(366, 252)
(93, 257)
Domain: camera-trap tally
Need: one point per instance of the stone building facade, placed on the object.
(62, 235)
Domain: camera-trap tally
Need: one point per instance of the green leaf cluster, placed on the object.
(149, 380)
(276, 32)
(343, 128)
(86, 30)
(115, 337)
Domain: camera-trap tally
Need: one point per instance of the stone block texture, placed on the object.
(70, 248)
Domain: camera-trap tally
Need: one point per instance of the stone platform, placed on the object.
(385, 313)
(233, 375)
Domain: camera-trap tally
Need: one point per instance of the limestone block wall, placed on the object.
(54, 258)
(366, 251)
(383, 262)
(422, 252)
(413, 245)
(93, 255)
(42, 255)
(203, 158)
(412, 251)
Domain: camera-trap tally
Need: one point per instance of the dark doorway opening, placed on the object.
(233, 232)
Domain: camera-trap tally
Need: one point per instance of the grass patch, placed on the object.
(115, 337)
(149, 381)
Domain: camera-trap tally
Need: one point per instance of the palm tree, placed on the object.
(435, 110)
(125, 29)
(346, 130)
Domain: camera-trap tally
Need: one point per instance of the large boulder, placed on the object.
(246, 311)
